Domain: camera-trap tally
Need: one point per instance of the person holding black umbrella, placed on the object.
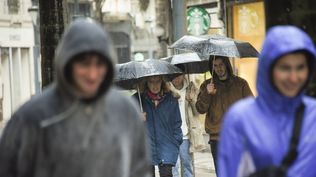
(217, 95)
(163, 121)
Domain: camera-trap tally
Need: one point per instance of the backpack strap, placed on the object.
(296, 132)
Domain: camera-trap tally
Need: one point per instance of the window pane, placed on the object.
(13, 6)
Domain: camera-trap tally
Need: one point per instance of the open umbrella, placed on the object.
(130, 74)
(215, 45)
(190, 63)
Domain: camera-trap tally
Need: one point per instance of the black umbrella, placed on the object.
(190, 63)
(215, 45)
(130, 74)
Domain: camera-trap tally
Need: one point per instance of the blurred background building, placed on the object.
(133, 27)
(17, 76)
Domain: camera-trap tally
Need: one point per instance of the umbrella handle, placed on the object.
(213, 69)
(140, 100)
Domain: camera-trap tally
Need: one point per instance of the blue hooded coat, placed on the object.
(164, 128)
(261, 128)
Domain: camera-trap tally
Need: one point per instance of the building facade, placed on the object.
(17, 77)
(133, 28)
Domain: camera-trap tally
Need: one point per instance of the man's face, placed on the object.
(290, 73)
(220, 69)
(178, 81)
(154, 84)
(88, 74)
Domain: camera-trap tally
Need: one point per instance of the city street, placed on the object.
(111, 88)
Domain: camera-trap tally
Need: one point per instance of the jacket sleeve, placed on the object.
(177, 124)
(16, 148)
(193, 90)
(246, 91)
(203, 100)
(138, 100)
(140, 160)
(231, 146)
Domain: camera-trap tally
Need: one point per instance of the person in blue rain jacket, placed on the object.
(256, 131)
(162, 117)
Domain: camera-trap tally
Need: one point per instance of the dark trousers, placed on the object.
(214, 144)
(165, 170)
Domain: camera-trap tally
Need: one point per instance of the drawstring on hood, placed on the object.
(281, 40)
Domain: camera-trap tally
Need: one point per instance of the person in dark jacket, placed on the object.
(217, 95)
(256, 132)
(163, 120)
(76, 127)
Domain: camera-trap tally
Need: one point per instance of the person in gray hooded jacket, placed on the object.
(76, 127)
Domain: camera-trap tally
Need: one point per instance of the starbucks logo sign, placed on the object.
(198, 21)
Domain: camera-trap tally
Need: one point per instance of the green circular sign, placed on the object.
(198, 21)
(139, 57)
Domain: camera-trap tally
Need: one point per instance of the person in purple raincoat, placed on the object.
(256, 132)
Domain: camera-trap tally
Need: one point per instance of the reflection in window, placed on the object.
(84, 9)
(122, 45)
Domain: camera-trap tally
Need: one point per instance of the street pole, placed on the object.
(36, 54)
(36, 49)
(179, 29)
(179, 9)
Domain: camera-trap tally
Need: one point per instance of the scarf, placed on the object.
(155, 97)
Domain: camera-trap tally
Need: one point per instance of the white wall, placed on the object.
(16, 54)
(16, 37)
(17, 78)
(26, 78)
(145, 20)
(6, 86)
(117, 6)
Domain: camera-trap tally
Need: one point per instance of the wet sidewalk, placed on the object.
(203, 163)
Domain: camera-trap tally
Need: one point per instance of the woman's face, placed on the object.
(290, 74)
(154, 84)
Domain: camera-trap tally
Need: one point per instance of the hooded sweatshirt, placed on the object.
(257, 131)
(59, 134)
(228, 92)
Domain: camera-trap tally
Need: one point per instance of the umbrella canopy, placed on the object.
(130, 74)
(216, 45)
(190, 63)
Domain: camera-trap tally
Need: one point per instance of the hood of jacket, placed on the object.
(229, 68)
(83, 36)
(281, 40)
